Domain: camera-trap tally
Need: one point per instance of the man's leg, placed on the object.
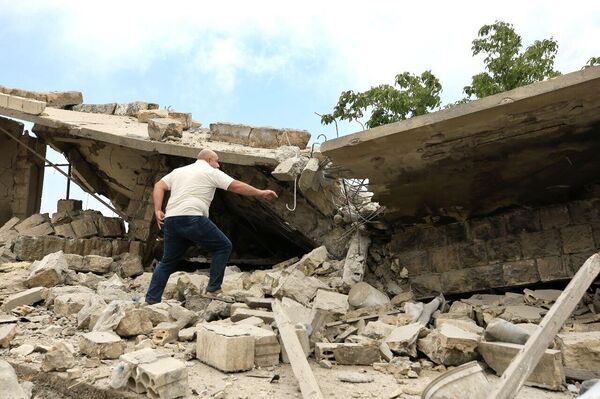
(174, 247)
(207, 234)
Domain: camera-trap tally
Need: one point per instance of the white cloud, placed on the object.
(358, 43)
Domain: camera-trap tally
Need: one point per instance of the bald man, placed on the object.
(186, 220)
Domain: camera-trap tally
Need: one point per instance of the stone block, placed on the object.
(289, 169)
(357, 354)
(584, 212)
(60, 357)
(43, 229)
(27, 297)
(130, 265)
(52, 244)
(227, 348)
(107, 109)
(523, 221)
(69, 205)
(540, 244)
(487, 228)
(158, 313)
(416, 262)
(449, 345)
(551, 268)
(402, 340)
(242, 313)
(161, 128)
(32, 221)
(187, 334)
(75, 246)
(185, 118)
(312, 260)
(377, 330)
(28, 248)
(573, 262)
(144, 116)
(110, 227)
(120, 247)
(548, 373)
(426, 286)
(84, 228)
(299, 287)
(97, 246)
(135, 322)
(12, 222)
(48, 272)
(7, 333)
(309, 177)
(444, 258)
(331, 301)
(553, 217)
(165, 333)
(520, 272)
(68, 304)
(467, 325)
(95, 264)
(266, 345)
(302, 335)
(504, 249)
(577, 238)
(131, 109)
(102, 345)
(580, 350)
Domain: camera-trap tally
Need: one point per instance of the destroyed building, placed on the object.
(483, 202)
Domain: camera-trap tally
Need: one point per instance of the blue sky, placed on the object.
(264, 62)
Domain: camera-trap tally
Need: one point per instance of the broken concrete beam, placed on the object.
(144, 116)
(102, 345)
(32, 221)
(241, 314)
(161, 128)
(165, 333)
(27, 297)
(289, 169)
(69, 205)
(331, 302)
(357, 354)
(7, 333)
(185, 118)
(580, 350)
(309, 177)
(107, 109)
(48, 272)
(60, 357)
(356, 259)
(402, 340)
(450, 345)
(227, 348)
(548, 373)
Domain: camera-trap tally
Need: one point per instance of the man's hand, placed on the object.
(160, 218)
(268, 194)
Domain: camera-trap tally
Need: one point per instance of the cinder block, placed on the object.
(161, 372)
(227, 348)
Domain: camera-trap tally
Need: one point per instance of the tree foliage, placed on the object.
(507, 66)
(411, 95)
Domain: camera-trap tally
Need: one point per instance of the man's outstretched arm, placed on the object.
(242, 188)
(158, 195)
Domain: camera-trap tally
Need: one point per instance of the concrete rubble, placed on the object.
(405, 296)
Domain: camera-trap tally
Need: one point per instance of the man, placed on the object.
(186, 220)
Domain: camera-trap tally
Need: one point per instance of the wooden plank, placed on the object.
(308, 384)
(528, 357)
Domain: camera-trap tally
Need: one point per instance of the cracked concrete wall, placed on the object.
(21, 173)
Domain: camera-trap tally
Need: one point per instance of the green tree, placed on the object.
(507, 65)
(592, 62)
(411, 95)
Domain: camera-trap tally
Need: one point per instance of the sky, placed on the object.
(266, 63)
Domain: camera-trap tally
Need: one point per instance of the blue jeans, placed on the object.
(179, 233)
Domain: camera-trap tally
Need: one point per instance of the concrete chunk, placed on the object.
(161, 128)
(60, 357)
(7, 333)
(144, 116)
(242, 313)
(357, 354)
(580, 350)
(299, 287)
(402, 340)
(48, 272)
(227, 348)
(32, 221)
(135, 322)
(68, 304)
(331, 302)
(450, 345)
(102, 345)
(289, 169)
(27, 297)
(162, 372)
(165, 333)
(9, 382)
(548, 373)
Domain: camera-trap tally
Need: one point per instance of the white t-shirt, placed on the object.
(193, 188)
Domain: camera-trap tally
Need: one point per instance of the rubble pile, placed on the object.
(72, 313)
(71, 230)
